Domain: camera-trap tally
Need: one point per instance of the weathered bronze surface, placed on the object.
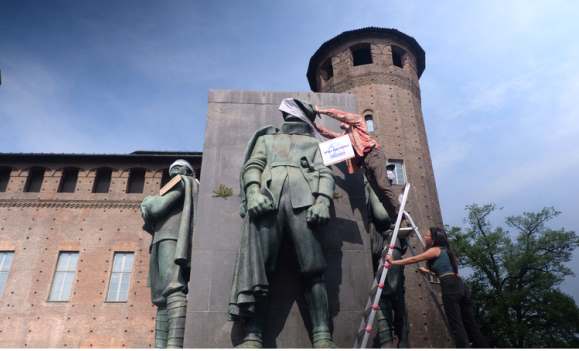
(288, 192)
(392, 318)
(169, 219)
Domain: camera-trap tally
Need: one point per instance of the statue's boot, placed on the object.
(254, 328)
(176, 310)
(251, 342)
(384, 324)
(401, 326)
(317, 299)
(254, 337)
(161, 328)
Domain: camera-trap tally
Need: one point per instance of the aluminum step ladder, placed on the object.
(372, 306)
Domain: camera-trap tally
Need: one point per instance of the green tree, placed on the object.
(515, 277)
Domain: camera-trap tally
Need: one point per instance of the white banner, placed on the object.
(337, 150)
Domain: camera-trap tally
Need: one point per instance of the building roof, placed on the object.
(137, 156)
(361, 33)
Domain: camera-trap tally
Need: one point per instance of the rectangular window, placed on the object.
(397, 56)
(68, 180)
(120, 277)
(64, 276)
(165, 178)
(399, 172)
(136, 181)
(34, 180)
(4, 178)
(361, 55)
(102, 181)
(327, 70)
(369, 123)
(5, 264)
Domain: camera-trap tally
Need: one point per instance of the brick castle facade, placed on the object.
(67, 216)
(52, 205)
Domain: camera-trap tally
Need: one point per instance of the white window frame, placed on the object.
(373, 129)
(125, 272)
(58, 287)
(399, 171)
(6, 259)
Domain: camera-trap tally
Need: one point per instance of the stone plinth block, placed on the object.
(233, 117)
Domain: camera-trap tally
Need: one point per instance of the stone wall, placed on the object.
(233, 117)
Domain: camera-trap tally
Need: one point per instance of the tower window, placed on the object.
(136, 182)
(64, 276)
(120, 277)
(397, 56)
(399, 171)
(4, 178)
(5, 263)
(369, 123)
(361, 54)
(327, 70)
(68, 180)
(34, 180)
(165, 178)
(102, 181)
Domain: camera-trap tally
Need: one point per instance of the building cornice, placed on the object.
(69, 203)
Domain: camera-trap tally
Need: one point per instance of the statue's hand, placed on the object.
(146, 206)
(257, 203)
(319, 212)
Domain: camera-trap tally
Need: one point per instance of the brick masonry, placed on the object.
(392, 95)
(37, 226)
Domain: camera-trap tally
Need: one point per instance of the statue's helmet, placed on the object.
(183, 163)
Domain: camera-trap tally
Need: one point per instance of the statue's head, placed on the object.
(181, 167)
(296, 110)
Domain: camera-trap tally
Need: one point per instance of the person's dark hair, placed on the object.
(440, 239)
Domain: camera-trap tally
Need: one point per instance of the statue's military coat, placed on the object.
(169, 218)
(288, 166)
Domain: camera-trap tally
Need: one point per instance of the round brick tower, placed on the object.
(381, 67)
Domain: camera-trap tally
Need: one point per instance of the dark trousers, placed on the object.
(375, 166)
(458, 308)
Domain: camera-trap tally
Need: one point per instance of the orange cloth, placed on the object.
(361, 141)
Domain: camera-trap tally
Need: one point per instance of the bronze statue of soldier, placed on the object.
(391, 318)
(286, 190)
(169, 219)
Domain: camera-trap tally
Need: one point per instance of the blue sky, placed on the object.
(499, 92)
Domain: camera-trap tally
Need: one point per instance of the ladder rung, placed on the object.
(405, 229)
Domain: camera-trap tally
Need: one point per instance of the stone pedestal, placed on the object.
(233, 117)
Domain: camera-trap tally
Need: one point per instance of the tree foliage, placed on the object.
(515, 277)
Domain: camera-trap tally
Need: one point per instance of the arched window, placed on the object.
(369, 122)
(68, 180)
(102, 181)
(34, 180)
(165, 178)
(136, 182)
(4, 178)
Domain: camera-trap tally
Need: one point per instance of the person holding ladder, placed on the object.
(455, 295)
